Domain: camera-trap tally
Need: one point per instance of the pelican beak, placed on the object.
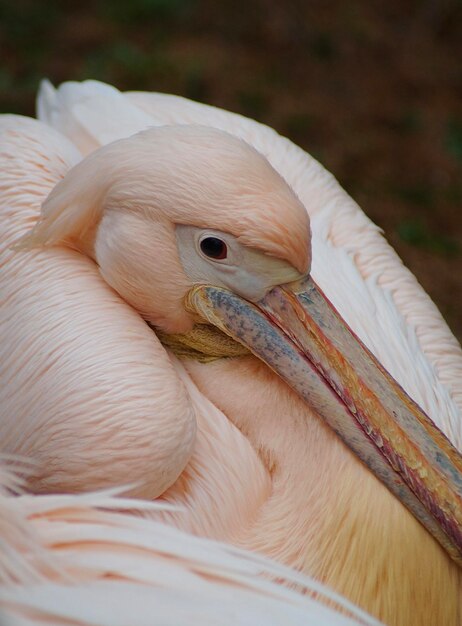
(297, 332)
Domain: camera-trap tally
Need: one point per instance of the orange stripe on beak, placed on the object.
(301, 336)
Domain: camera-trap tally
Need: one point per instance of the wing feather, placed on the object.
(90, 565)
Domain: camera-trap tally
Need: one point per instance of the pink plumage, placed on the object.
(91, 397)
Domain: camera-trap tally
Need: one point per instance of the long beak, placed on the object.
(301, 336)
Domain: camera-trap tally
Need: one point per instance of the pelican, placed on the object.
(193, 310)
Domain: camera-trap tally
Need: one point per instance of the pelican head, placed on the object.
(189, 223)
(148, 209)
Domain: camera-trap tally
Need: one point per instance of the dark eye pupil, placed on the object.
(214, 248)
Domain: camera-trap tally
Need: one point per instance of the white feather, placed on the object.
(115, 569)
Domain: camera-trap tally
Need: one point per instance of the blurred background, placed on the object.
(371, 88)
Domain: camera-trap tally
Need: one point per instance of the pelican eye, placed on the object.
(214, 248)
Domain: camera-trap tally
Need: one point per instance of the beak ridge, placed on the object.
(300, 335)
